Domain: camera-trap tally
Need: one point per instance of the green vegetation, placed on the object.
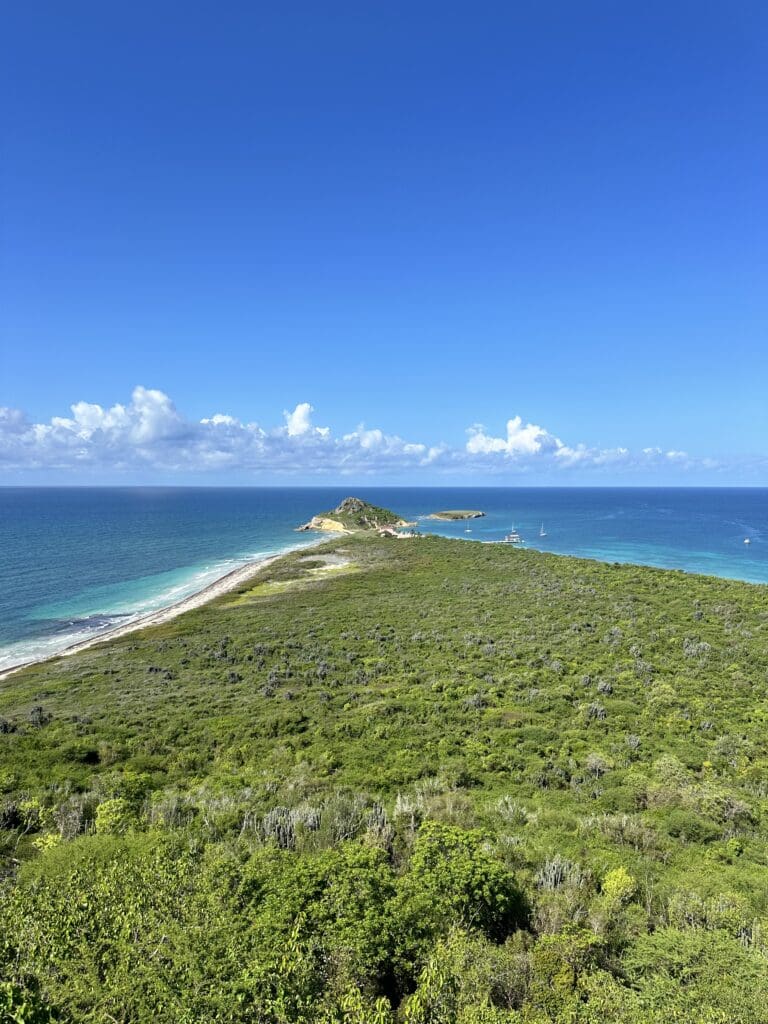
(451, 783)
(457, 513)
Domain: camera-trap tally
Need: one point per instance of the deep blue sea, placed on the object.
(76, 561)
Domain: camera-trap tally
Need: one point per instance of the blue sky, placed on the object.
(424, 220)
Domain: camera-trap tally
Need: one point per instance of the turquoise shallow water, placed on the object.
(74, 562)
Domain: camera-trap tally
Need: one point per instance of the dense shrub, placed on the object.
(451, 783)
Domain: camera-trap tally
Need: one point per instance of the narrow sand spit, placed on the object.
(231, 581)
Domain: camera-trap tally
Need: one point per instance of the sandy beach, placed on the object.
(230, 581)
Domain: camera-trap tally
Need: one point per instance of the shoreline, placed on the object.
(217, 588)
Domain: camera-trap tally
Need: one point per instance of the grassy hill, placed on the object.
(430, 781)
(353, 515)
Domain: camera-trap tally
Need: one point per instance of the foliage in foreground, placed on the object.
(458, 784)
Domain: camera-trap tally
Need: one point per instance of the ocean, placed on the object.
(77, 561)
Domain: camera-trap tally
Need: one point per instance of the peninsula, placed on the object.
(440, 781)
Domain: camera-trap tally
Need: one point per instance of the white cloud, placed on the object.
(149, 433)
(220, 419)
(299, 422)
(521, 439)
(12, 421)
(151, 416)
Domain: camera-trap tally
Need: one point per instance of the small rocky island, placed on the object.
(354, 515)
(454, 513)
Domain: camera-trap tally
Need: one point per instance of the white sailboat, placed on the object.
(542, 531)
